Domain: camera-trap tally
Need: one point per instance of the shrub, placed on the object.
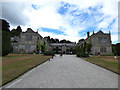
(49, 53)
(82, 54)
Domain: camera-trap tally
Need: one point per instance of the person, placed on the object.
(40, 52)
(98, 53)
(61, 53)
(34, 52)
(115, 55)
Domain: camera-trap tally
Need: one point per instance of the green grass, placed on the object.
(107, 62)
(15, 65)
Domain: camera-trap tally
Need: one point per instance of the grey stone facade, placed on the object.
(27, 42)
(101, 42)
(64, 47)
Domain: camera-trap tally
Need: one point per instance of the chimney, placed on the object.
(93, 32)
(88, 34)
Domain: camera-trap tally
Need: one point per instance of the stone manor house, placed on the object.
(27, 43)
(101, 42)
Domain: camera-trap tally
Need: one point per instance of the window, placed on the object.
(102, 39)
(28, 38)
(102, 49)
(27, 47)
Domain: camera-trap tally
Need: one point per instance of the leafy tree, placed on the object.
(63, 41)
(56, 49)
(85, 47)
(118, 49)
(38, 45)
(88, 47)
(113, 48)
(43, 47)
(5, 25)
(6, 43)
(56, 40)
(52, 40)
(16, 32)
(81, 40)
(6, 37)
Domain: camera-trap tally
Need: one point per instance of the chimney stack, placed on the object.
(88, 34)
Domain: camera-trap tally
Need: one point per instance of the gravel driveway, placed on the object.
(66, 72)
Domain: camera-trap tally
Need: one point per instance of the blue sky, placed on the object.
(65, 19)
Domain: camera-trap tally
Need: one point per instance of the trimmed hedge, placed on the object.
(82, 54)
(49, 53)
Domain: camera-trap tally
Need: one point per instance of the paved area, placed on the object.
(66, 72)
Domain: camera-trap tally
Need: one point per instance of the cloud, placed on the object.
(14, 13)
(64, 19)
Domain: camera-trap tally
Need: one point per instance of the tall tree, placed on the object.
(118, 49)
(6, 38)
(5, 25)
(16, 32)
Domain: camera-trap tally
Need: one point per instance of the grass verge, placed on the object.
(107, 62)
(15, 65)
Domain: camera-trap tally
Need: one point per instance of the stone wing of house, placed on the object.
(27, 42)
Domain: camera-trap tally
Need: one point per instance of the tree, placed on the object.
(5, 25)
(52, 40)
(85, 47)
(43, 47)
(6, 37)
(113, 48)
(38, 45)
(16, 32)
(56, 40)
(118, 49)
(88, 47)
(57, 50)
(81, 40)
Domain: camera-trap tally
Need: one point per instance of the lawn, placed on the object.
(107, 62)
(15, 65)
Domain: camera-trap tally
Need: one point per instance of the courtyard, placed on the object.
(67, 71)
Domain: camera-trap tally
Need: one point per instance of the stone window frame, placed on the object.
(28, 37)
(103, 49)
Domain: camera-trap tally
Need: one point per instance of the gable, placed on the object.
(100, 33)
(29, 30)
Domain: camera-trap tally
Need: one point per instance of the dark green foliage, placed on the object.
(6, 37)
(56, 50)
(6, 43)
(81, 40)
(81, 50)
(85, 47)
(65, 41)
(51, 40)
(38, 45)
(16, 32)
(118, 49)
(88, 47)
(5, 25)
(82, 54)
(49, 53)
(43, 48)
(113, 48)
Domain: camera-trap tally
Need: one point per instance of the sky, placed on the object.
(63, 19)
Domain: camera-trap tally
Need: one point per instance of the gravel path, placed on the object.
(66, 72)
